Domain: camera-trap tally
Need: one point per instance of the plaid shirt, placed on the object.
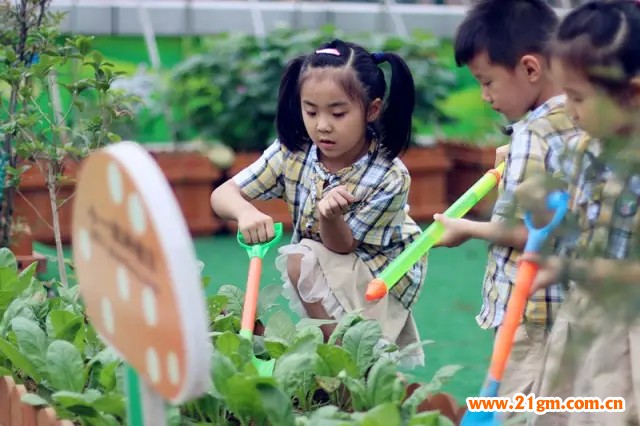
(605, 221)
(378, 218)
(537, 144)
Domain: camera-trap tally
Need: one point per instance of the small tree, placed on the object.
(41, 124)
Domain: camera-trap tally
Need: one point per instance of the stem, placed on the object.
(51, 184)
(9, 193)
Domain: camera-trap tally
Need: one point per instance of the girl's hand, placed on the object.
(550, 269)
(255, 226)
(335, 202)
(456, 231)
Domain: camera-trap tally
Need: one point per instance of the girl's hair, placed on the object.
(363, 81)
(602, 39)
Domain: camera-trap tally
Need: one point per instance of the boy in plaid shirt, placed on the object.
(502, 43)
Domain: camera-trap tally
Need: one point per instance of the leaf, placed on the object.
(312, 332)
(77, 403)
(337, 359)
(360, 341)
(267, 298)
(280, 326)
(275, 347)
(215, 305)
(33, 400)
(357, 390)
(277, 405)
(329, 384)
(32, 341)
(381, 382)
(429, 418)
(111, 403)
(345, 322)
(382, 415)
(19, 360)
(442, 376)
(236, 348)
(235, 298)
(222, 369)
(8, 259)
(295, 371)
(65, 366)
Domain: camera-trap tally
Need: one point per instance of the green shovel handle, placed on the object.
(260, 249)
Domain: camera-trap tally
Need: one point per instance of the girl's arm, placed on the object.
(336, 235)
(229, 203)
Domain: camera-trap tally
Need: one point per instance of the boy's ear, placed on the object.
(375, 108)
(532, 67)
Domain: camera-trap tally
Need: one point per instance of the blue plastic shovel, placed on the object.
(527, 270)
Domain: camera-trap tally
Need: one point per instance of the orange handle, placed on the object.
(251, 295)
(527, 271)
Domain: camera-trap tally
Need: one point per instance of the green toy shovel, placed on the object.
(256, 254)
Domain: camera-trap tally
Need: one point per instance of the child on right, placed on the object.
(503, 44)
(594, 347)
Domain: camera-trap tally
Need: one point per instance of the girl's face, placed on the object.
(335, 122)
(590, 107)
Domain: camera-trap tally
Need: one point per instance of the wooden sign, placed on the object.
(138, 273)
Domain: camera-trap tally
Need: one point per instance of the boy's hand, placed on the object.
(457, 231)
(501, 153)
(549, 270)
(255, 226)
(335, 203)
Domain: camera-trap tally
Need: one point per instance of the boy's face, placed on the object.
(590, 108)
(509, 92)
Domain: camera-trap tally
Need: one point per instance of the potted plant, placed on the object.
(61, 107)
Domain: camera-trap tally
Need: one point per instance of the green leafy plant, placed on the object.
(47, 343)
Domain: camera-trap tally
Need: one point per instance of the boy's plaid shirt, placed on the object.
(536, 147)
(378, 218)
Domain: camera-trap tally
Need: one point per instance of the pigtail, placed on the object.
(396, 119)
(289, 122)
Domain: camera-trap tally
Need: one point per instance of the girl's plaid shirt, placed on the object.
(379, 217)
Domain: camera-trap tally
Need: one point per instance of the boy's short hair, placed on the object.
(506, 30)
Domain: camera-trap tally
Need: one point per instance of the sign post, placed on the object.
(140, 280)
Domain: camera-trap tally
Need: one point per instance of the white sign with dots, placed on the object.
(138, 273)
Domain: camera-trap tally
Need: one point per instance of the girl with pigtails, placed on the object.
(335, 163)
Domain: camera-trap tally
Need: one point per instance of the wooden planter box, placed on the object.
(191, 175)
(22, 247)
(15, 413)
(468, 164)
(32, 204)
(276, 208)
(428, 168)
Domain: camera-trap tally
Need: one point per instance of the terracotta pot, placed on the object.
(443, 402)
(32, 204)
(470, 163)
(192, 177)
(276, 208)
(428, 168)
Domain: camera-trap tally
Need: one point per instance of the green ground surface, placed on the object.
(445, 312)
